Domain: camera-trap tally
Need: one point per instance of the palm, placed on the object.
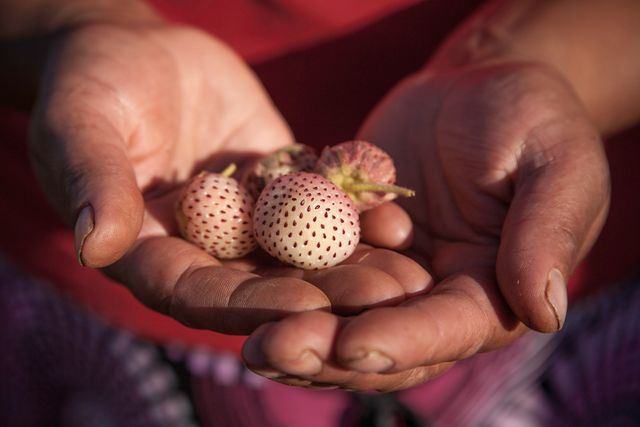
(460, 141)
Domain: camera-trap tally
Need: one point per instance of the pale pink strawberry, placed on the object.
(215, 213)
(292, 158)
(304, 220)
(363, 171)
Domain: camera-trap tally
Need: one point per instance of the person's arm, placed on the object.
(28, 28)
(595, 44)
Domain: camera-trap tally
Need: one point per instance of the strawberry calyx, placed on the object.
(357, 187)
(363, 171)
(364, 193)
(229, 170)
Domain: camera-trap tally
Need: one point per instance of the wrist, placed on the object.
(32, 18)
(600, 65)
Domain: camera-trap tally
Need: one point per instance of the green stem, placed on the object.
(229, 170)
(356, 187)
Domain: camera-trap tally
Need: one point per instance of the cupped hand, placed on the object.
(512, 188)
(124, 116)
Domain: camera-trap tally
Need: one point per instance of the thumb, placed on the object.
(81, 162)
(561, 197)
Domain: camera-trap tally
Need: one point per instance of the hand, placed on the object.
(512, 189)
(125, 115)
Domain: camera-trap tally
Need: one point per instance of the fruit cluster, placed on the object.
(300, 208)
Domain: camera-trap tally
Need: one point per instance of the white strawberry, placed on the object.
(362, 170)
(291, 158)
(304, 220)
(215, 213)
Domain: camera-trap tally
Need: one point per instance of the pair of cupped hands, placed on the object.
(511, 191)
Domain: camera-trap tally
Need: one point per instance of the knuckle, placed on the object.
(567, 237)
(477, 329)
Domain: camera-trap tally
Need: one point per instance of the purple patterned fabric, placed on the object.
(63, 366)
(592, 378)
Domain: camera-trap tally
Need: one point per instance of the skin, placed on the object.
(505, 157)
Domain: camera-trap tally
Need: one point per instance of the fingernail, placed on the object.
(269, 373)
(255, 360)
(372, 362)
(308, 363)
(556, 295)
(322, 386)
(294, 381)
(252, 352)
(83, 228)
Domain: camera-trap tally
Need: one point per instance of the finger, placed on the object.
(370, 277)
(174, 277)
(354, 288)
(81, 161)
(309, 337)
(387, 226)
(410, 275)
(298, 350)
(349, 288)
(560, 204)
(460, 317)
(336, 378)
